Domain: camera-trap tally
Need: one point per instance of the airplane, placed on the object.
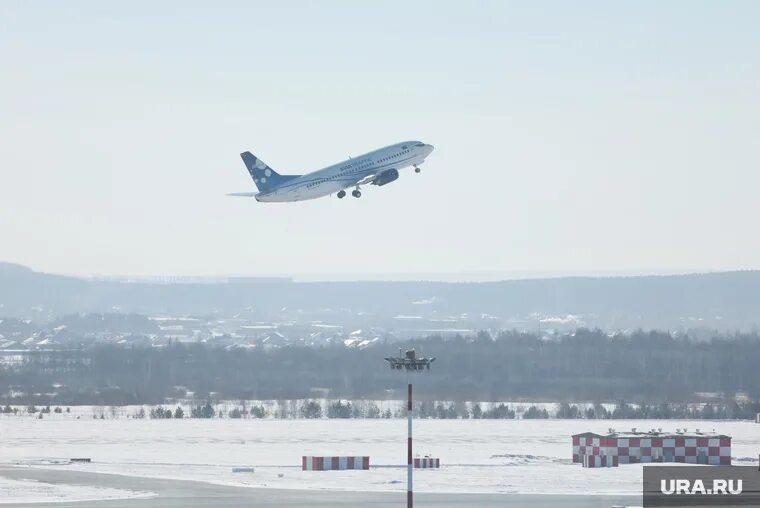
(378, 167)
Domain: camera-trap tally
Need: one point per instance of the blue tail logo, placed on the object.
(263, 176)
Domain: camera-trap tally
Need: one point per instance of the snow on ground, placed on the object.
(31, 491)
(494, 456)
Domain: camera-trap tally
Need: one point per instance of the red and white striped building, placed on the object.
(644, 447)
(426, 463)
(310, 463)
(600, 461)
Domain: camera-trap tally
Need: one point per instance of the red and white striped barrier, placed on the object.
(427, 463)
(310, 463)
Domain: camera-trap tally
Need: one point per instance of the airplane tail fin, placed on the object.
(263, 176)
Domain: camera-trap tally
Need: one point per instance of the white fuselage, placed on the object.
(349, 173)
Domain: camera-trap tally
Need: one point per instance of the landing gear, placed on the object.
(417, 170)
(356, 193)
(341, 194)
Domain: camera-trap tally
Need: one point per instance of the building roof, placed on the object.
(633, 433)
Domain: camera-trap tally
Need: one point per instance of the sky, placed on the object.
(570, 137)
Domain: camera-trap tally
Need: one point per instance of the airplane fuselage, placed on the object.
(348, 173)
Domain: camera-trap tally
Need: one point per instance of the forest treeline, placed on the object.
(587, 365)
(339, 409)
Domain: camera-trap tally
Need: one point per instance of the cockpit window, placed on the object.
(420, 144)
(404, 147)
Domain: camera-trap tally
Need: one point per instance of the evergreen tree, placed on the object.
(311, 410)
(534, 412)
(258, 412)
(338, 410)
(373, 411)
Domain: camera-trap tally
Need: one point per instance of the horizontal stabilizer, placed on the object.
(242, 194)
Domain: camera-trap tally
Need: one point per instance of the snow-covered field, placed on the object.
(31, 491)
(486, 456)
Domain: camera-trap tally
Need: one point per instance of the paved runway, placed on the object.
(176, 494)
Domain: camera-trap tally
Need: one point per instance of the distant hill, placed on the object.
(725, 300)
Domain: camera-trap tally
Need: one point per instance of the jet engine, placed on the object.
(386, 176)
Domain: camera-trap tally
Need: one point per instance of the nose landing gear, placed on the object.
(417, 169)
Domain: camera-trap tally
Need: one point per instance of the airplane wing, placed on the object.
(366, 180)
(387, 175)
(242, 194)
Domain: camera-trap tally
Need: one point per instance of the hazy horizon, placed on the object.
(472, 276)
